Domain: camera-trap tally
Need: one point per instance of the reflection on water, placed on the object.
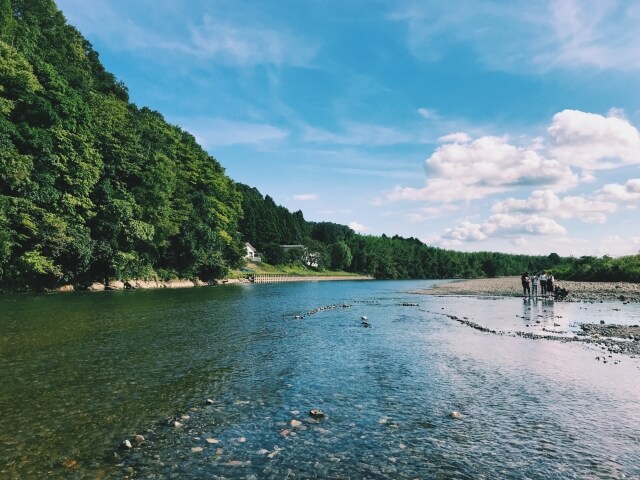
(80, 373)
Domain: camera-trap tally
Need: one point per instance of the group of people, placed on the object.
(545, 281)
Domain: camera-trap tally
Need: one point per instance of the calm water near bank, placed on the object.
(79, 373)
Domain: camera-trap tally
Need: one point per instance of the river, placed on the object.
(80, 373)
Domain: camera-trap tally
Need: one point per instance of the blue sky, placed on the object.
(493, 125)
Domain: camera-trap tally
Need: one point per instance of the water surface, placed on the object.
(79, 373)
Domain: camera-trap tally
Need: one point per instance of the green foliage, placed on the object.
(90, 185)
(341, 256)
(605, 269)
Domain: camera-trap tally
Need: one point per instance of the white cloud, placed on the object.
(501, 225)
(615, 246)
(593, 142)
(229, 36)
(355, 133)
(428, 113)
(520, 242)
(358, 227)
(466, 231)
(578, 144)
(629, 192)
(506, 224)
(429, 213)
(242, 44)
(522, 36)
(216, 132)
(547, 203)
(457, 137)
(305, 197)
(483, 167)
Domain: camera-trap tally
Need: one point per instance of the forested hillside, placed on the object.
(91, 185)
(94, 187)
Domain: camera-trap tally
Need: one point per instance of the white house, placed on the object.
(252, 253)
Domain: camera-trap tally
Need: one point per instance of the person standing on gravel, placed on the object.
(550, 283)
(535, 281)
(543, 283)
(526, 284)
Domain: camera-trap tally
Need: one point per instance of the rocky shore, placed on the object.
(610, 339)
(183, 283)
(511, 287)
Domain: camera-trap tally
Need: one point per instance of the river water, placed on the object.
(80, 373)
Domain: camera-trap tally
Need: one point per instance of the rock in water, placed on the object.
(126, 444)
(316, 413)
(455, 415)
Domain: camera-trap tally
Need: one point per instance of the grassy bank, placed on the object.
(292, 270)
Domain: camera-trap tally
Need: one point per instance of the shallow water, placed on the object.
(80, 373)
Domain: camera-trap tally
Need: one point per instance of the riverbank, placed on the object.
(184, 283)
(511, 287)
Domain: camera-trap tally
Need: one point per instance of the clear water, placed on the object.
(79, 373)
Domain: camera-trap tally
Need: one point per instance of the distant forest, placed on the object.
(94, 187)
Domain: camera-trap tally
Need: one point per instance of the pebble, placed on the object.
(296, 423)
(126, 444)
(197, 449)
(316, 413)
(208, 401)
(212, 440)
(138, 438)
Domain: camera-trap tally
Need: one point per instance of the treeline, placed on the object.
(328, 245)
(93, 187)
(601, 269)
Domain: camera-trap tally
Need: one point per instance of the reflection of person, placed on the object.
(534, 284)
(543, 283)
(526, 284)
(550, 282)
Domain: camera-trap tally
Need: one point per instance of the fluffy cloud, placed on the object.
(485, 166)
(547, 203)
(577, 145)
(504, 226)
(593, 142)
(629, 192)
